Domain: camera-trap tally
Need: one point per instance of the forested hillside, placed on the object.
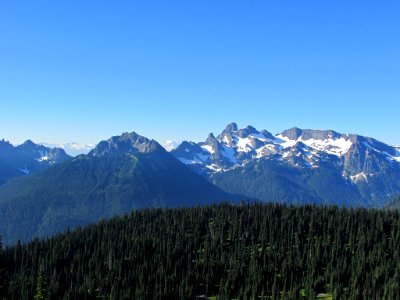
(228, 251)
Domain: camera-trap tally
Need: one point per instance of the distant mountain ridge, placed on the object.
(27, 158)
(119, 175)
(130, 171)
(72, 149)
(364, 168)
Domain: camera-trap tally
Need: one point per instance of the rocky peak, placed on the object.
(231, 127)
(308, 134)
(292, 133)
(245, 132)
(211, 140)
(126, 143)
(231, 131)
(227, 134)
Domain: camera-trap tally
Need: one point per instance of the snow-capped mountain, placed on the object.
(369, 165)
(73, 149)
(170, 145)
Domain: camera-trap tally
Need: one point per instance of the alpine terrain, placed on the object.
(297, 165)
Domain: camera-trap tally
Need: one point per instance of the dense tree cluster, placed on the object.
(227, 251)
(3, 283)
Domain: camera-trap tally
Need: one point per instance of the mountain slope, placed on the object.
(123, 173)
(361, 170)
(27, 158)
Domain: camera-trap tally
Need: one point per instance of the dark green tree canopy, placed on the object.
(225, 251)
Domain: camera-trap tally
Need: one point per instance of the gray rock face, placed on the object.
(371, 167)
(307, 134)
(126, 143)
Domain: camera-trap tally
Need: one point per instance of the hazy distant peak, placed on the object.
(71, 148)
(170, 145)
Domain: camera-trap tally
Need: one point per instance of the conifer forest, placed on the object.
(257, 251)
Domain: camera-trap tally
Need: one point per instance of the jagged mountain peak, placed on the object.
(235, 147)
(211, 139)
(127, 142)
(231, 127)
(358, 164)
(232, 130)
(232, 147)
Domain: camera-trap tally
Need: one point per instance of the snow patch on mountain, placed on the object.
(360, 177)
(208, 148)
(43, 158)
(214, 168)
(397, 156)
(191, 161)
(244, 144)
(332, 146)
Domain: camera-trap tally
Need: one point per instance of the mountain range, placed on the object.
(44, 191)
(297, 165)
(119, 175)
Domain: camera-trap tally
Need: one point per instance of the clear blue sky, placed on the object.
(85, 70)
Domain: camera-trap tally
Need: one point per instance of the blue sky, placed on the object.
(86, 70)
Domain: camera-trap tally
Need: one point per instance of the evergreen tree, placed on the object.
(41, 286)
(3, 283)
